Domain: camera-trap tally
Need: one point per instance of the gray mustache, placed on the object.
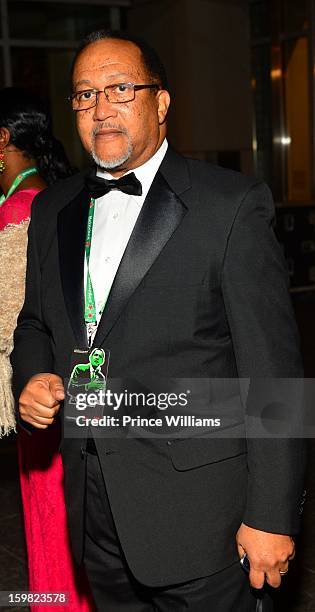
(108, 126)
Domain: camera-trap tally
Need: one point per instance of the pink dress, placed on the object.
(50, 564)
(17, 207)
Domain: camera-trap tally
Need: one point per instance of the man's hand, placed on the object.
(40, 399)
(268, 553)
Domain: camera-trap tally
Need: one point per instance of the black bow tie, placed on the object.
(97, 187)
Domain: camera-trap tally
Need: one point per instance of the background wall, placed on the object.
(205, 47)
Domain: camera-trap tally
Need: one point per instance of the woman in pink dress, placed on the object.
(30, 159)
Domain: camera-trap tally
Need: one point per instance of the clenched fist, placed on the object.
(40, 399)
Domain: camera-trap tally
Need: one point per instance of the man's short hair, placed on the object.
(150, 58)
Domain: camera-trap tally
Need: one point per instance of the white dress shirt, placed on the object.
(115, 215)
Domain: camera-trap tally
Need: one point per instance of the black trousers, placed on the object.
(116, 590)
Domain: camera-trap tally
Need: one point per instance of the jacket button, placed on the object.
(169, 443)
(83, 452)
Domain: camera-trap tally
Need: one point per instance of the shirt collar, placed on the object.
(144, 173)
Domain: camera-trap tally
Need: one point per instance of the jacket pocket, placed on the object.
(193, 453)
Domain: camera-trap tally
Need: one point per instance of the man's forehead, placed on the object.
(107, 70)
(107, 67)
(110, 54)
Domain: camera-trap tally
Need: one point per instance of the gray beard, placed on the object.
(114, 162)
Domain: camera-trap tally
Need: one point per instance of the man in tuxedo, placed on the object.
(188, 282)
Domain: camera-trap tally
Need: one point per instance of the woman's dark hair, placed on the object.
(150, 58)
(29, 123)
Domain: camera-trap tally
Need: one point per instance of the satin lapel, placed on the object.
(161, 214)
(72, 222)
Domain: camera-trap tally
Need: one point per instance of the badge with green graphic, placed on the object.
(86, 389)
(89, 374)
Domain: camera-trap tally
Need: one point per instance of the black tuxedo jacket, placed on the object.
(201, 292)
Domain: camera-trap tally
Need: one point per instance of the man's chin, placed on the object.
(110, 162)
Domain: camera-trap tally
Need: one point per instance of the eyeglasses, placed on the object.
(115, 94)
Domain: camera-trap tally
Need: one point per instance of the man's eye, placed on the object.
(122, 87)
(86, 95)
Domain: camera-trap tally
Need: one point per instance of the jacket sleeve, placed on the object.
(266, 347)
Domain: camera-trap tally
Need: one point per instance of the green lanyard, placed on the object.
(90, 315)
(20, 177)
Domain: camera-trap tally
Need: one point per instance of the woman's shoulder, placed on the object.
(17, 207)
(23, 197)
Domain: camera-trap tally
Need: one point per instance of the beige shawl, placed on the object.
(13, 244)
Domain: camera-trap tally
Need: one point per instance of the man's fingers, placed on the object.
(241, 550)
(273, 577)
(35, 423)
(42, 411)
(37, 419)
(44, 397)
(292, 555)
(257, 578)
(37, 413)
(39, 396)
(45, 389)
(43, 420)
(57, 389)
(36, 410)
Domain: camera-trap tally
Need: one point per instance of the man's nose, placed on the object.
(103, 108)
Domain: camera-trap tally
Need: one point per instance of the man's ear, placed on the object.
(164, 101)
(4, 137)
